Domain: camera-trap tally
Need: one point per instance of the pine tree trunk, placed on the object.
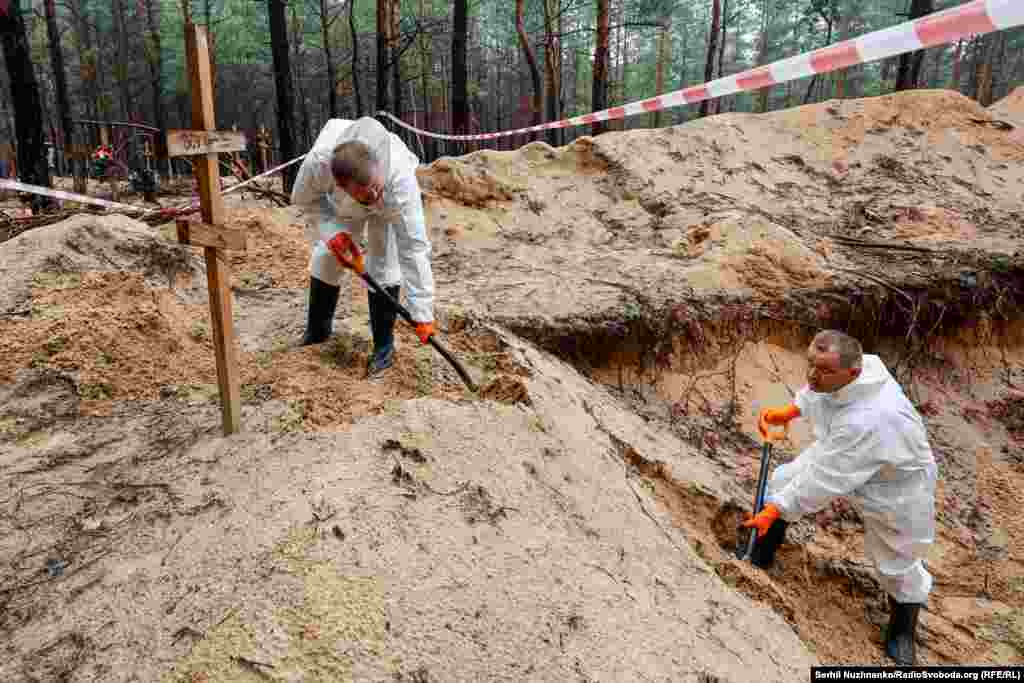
(394, 58)
(954, 82)
(60, 81)
(154, 58)
(303, 140)
(909, 74)
(619, 96)
(425, 66)
(283, 86)
(460, 71)
(664, 64)
(524, 42)
(979, 55)
(551, 70)
(814, 78)
(985, 83)
(599, 89)
(1003, 64)
(121, 68)
(724, 20)
(86, 67)
(28, 107)
(355, 58)
(709, 64)
(383, 29)
(332, 76)
(762, 57)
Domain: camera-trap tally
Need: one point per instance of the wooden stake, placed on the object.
(218, 273)
(207, 173)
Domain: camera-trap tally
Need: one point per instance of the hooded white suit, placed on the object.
(399, 249)
(870, 445)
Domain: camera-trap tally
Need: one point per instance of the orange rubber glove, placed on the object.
(762, 520)
(776, 416)
(424, 331)
(346, 251)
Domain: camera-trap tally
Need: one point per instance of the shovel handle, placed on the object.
(432, 340)
(762, 485)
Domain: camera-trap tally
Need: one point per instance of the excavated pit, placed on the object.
(700, 367)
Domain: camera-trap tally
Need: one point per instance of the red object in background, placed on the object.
(5, 6)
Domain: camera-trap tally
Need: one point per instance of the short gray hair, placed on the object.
(353, 160)
(846, 347)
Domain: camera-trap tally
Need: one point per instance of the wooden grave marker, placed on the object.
(204, 145)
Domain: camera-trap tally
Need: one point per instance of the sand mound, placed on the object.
(1010, 108)
(88, 243)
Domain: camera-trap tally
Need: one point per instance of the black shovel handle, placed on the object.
(762, 485)
(441, 349)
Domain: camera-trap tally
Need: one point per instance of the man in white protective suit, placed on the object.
(358, 176)
(870, 444)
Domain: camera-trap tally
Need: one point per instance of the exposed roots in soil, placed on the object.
(690, 331)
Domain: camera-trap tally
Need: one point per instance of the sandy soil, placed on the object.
(624, 303)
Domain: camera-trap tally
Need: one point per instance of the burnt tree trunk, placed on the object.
(460, 73)
(537, 101)
(283, 86)
(909, 74)
(121, 67)
(720, 71)
(762, 56)
(332, 78)
(814, 78)
(552, 71)
(155, 60)
(954, 83)
(383, 31)
(709, 64)
(60, 81)
(28, 106)
(355, 58)
(663, 64)
(599, 90)
(395, 57)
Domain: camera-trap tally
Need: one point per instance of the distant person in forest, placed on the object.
(871, 445)
(358, 176)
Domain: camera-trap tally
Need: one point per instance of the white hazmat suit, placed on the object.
(870, 444)
(398, 248)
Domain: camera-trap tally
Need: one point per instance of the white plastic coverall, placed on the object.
(398, 248)
(870, 444)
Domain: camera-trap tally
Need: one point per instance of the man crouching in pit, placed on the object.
(870, 444)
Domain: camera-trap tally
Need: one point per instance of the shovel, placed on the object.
(762, 485)
(368, 279)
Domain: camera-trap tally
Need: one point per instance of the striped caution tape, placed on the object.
(970, 19)
(67, 196)
(129, 208)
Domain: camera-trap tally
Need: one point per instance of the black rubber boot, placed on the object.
(765, 547)
(323, 301)
(382, 327)
(899, 637)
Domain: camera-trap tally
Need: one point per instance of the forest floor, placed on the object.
(623, 302)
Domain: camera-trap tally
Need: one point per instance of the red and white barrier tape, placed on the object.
(970, 19)
(128, 208)
(67, 196)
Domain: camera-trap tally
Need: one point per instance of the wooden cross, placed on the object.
(115, 185)
(204, 145)
(264, 144)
